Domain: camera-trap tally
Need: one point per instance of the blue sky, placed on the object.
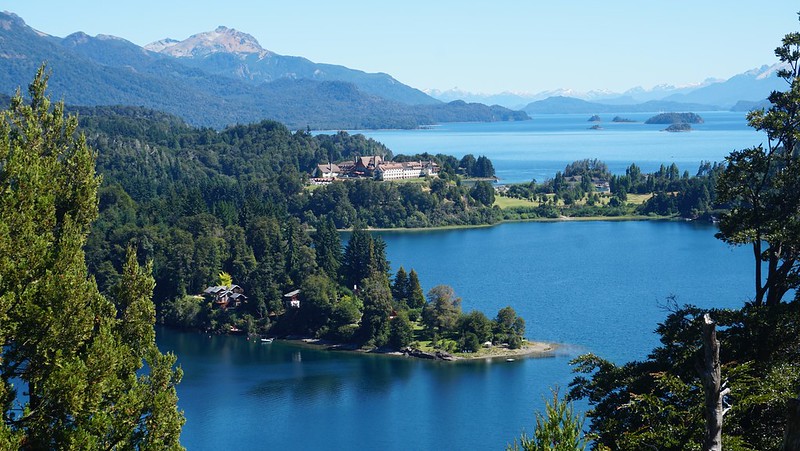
(477, 46)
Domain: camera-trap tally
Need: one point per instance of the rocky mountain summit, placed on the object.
(220, 40)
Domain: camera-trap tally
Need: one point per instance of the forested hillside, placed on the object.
(197, 201)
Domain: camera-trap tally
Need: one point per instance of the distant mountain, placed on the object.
(231, 53)
(106, 70)
(750, 86)
(754, 85)
(658, 92)
(747, 105)
(553, 105)
(511, 99)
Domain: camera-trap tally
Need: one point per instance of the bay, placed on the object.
(536, 149)
(593, 286)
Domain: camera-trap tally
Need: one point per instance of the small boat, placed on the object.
(509, 360)
(266, 340)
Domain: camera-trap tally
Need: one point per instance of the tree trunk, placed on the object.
(712, 383)
(791, 439)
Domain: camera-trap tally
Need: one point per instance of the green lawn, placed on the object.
(510, 202)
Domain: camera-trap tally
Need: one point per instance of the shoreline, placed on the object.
(504, 221)
(530, 349)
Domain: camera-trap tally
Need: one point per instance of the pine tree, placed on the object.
(416, 297)
(400, 288)
(328, 247)
(76, 355)
(358, 257)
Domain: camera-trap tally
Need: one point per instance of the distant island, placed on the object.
(675, 118)
(571, 105)
(679, 127)
(595, 118)
(596, 127)
(621, 119)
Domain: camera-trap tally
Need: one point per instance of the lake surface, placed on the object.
(594, 286)
(536, 149)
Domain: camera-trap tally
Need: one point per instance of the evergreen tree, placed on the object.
(379, 263)
(483, 193)
(400, 288)
(358, 257)
(559, 428)
(77, 357)
(468, 164)
(377, 298)
(328, 247)
(416, 297)
(483, 167)
(401, 333)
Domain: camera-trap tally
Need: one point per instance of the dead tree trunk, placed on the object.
(791, 439)
(712, 383)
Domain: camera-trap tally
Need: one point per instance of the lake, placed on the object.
(536, 149)
(594, 286)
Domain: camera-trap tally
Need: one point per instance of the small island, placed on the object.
(675, 118)
(595, 118)
(621, 119)
(596, 127)
(679, 127)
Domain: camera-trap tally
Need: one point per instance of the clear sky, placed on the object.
(485, 46)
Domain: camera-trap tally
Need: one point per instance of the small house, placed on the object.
(225, 297)
(292, 299)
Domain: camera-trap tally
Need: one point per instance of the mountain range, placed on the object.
(219, 78)
(225, 76)
(741, 91)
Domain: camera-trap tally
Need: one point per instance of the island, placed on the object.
(595, 118)
(596, 127)
(678, 127)
(675, 118)
(621, 119)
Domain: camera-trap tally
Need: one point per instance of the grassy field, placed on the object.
(638, 199)
(510, 202)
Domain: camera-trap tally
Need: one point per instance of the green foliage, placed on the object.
(73, 361)
(360, 259)
(401, 332)
(328, 247)
(659, 402)
(225, 279)
(509, 327)
(483, 193)
(377, 299)
(401, 288)
(442, 310)
(559, 428)
(675, 118)
(416, 298)
(593, 168)
(476, 324)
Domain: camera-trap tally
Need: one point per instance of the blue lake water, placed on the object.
(594, 286)
(536, 149)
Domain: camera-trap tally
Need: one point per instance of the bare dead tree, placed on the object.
(715, 390)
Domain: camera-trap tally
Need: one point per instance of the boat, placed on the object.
(266, 340)
(510, 360)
